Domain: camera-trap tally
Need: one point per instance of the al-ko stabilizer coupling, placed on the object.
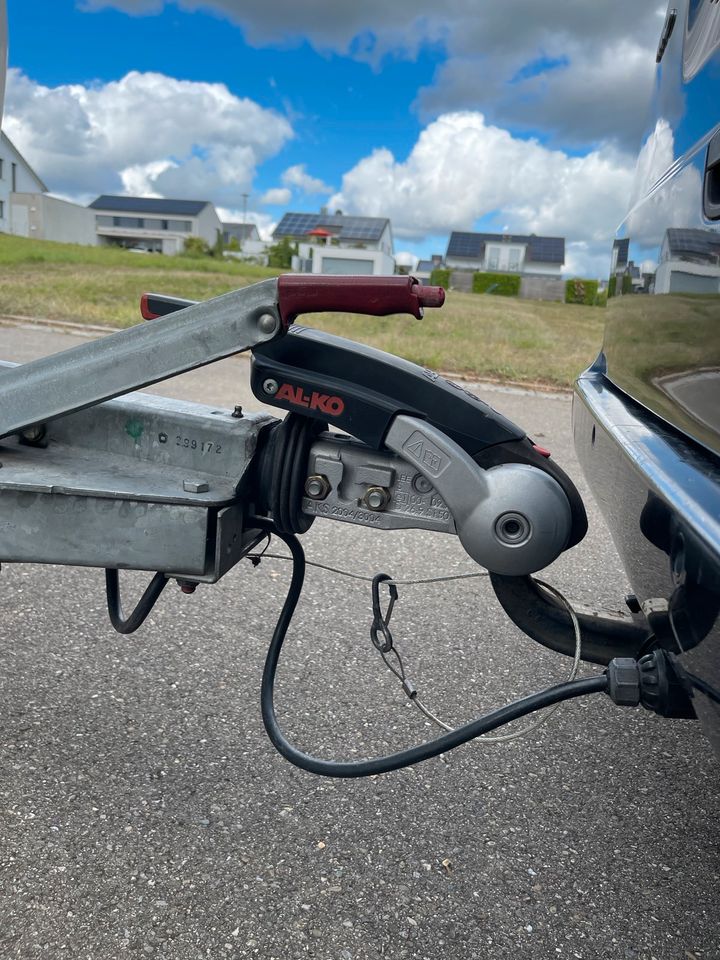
(512, 507)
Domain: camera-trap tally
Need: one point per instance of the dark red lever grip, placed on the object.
(376, 296)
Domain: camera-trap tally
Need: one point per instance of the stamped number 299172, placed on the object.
(204, 446)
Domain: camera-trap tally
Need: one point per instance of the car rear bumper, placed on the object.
(660, 495)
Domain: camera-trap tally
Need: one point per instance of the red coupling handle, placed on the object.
(375, 296)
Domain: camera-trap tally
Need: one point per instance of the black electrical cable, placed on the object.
(405, 758)
(703, 687)
(145, 604)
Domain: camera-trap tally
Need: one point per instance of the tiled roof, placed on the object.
(243, 231)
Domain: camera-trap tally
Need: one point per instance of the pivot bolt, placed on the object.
(376, 498)
(317, 486)
(267, 323)
(512, 529)
(271, 387)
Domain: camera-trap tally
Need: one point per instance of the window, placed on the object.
(493, 258)
(2, 209)
(1, 168)
(184, 226)
(102, 221)
(514, 259)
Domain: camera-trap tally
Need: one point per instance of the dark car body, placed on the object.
(646, 415)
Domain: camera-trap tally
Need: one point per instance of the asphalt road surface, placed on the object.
(145, 813)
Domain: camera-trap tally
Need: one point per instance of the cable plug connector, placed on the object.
(657, 681)
(623, 687)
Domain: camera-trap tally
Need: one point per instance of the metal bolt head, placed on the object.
(317, 486)
(237, 412)
(421, 484)
(267, 323)
(34, 434)
(271, 387)
(195, 486)
(376, 498)
(187, 586)
(512, 529)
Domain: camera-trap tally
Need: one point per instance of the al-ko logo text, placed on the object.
(332, 406)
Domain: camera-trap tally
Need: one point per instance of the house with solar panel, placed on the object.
(689, 262)
(154, 224)
(530, 255)
(339, 244)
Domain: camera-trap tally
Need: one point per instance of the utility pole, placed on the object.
(244, 200)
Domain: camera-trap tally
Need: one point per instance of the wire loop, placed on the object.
(380, 624)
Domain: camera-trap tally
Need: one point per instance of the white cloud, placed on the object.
(139, 180)
(404, 258)
(502, 58)
(297, 176)
(577, 95)
(462, 169)
(145, 132)
(663, 196)
(276, 195)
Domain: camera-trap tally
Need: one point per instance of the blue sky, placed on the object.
(455, 118)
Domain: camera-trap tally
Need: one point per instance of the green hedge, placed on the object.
(440, 278)
(500, 284)
(581, 291)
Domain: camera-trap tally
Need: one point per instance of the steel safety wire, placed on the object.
(453, 738)
(409, 688)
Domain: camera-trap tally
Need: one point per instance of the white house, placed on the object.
(16, 176)
(154, 223)
(26, 208)
(506, 253)
(339, 244)
(689, 262)
(250, 246)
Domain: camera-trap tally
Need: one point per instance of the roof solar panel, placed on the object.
(157, 205)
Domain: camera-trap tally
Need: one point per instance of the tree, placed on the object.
(281, 253)
(195, 247)
(218, 247)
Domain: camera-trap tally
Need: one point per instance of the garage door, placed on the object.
(681, 282)
(341, 265)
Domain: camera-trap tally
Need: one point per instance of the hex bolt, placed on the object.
(271, 387)
(317, 486)
(34, 434)
(195, 486)
(187, 586)
(267, 323)
(633, 604)
(421, 484)
(376, 498)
